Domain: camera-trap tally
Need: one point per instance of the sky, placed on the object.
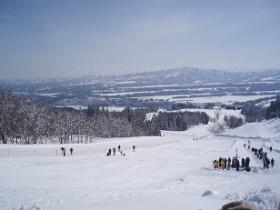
(51, 38)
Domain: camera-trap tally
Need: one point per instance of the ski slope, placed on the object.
(168, 172)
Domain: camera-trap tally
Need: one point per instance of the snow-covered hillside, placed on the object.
(168, 172)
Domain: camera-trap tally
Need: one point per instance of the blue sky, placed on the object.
(73, 38)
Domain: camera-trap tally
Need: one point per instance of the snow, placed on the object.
(110, 108)
(265, 129)
(127, 93)
(212, 113)
(224, 99)
(115, 108)
(218, 113)
(168, 172)
(78, 107)
(229, 99)
(49, 94)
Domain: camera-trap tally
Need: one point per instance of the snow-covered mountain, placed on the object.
(186, 76)
(182, 76)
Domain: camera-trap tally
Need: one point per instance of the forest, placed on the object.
(24, 122)
(255, 113)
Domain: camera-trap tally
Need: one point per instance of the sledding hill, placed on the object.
(172, 171)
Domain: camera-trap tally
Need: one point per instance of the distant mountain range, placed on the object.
(165, 86)
(185, 76)
(179, 76)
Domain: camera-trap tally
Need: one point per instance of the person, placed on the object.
(109, 152)
(119, 148)
(133, 148)
(114, 151)
(222, 163)
(266, 162)
(63, 151)
(247, 164)
(261, 153)
(71, 150)
(215, 164)
(272, 162)
(242, 163)
(237, 165)
(233, 164)
(229, 163)
(270, 148)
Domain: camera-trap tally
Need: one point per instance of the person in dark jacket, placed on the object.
(272, 162)
(220, 162)
(266, 162)
(247, 164)
(242, 163)
(109, 152)
(71, 150)
(237, 165)
(63, 151)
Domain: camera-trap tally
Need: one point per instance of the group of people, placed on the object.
(261, 155)
(63, 150)
(224, 163)
(112, 152)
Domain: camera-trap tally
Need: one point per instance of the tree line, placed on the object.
(255, 113)
(24, 122)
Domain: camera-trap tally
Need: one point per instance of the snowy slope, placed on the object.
(168, 172)
(265, 129)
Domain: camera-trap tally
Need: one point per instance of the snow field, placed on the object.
(168, 172)
(99, 147)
